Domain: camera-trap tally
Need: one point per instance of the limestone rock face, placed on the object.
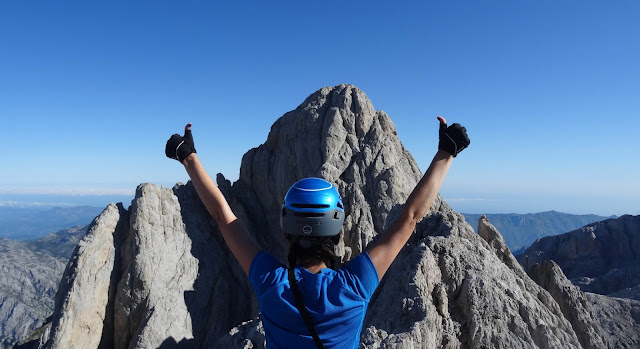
(572, 301)
(337, 135)
(619, 320)
(599, 321)
(29, 277)
(603, 257)
(84, 291)
(492, 236)
(460, 295)
(150, 303)
(28, 282)
(163, 277)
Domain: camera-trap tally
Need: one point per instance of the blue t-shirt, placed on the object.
(337, 302)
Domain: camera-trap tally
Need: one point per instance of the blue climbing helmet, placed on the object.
(312, 208)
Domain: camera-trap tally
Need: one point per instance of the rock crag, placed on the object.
(599, 321)
(159, 274)
(603, 257)
(521, 230)
(30, 272)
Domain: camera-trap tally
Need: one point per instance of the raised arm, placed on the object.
(453, 139)
(240, 242)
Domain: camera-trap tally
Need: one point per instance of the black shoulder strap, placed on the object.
(303, 311)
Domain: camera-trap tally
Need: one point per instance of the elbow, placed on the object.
(411, 216)
(222, 216)
(215, 213)
(216, 217)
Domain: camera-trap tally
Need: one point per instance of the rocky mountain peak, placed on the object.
(337, 135)
(163, 277)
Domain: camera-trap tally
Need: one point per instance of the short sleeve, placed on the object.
(360, 276)
(263, 272)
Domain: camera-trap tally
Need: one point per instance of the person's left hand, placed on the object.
(179, 147)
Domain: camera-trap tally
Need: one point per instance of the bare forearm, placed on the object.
(385, 250)
(208, 191)
(427, 189)
(240, 242)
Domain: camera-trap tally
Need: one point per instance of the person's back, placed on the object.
(337, 301)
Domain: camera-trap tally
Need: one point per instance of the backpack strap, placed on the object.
(301, 308)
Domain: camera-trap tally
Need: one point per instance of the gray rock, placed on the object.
(157, 273)
(573, 302)
(163, 277)
(461, 295)
(29, 279)
(600, 257)
(337, 135)
(603, 257)
(85, 290)
(619, 320)
(492, 236)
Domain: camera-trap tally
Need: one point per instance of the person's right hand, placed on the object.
(179, 147)
(453, 139)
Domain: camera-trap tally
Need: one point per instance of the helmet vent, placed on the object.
(309, 214)
(340, 205)
(309, 206)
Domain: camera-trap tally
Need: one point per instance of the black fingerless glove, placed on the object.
(179, 147)
(453, 139)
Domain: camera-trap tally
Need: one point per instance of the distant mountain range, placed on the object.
(28, 223)
(31, 272)
(31, 269)
(521, 230)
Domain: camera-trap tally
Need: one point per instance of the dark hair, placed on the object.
(321, 249)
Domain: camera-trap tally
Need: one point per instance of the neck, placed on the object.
(314, 267)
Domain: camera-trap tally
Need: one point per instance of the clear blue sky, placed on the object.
(549, 91)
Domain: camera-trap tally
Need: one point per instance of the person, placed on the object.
(309, 305)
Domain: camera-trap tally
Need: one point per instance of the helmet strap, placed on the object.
(300, 301)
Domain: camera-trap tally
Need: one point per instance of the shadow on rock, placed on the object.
(221, 297)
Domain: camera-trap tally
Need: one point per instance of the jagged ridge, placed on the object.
(168, 279)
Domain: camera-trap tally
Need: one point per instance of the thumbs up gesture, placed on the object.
(179, 147)
(453, 139)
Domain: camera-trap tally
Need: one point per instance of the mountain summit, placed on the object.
(159, 274)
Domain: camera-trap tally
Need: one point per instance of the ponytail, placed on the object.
(321, 250)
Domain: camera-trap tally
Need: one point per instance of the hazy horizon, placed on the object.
(461, 205)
